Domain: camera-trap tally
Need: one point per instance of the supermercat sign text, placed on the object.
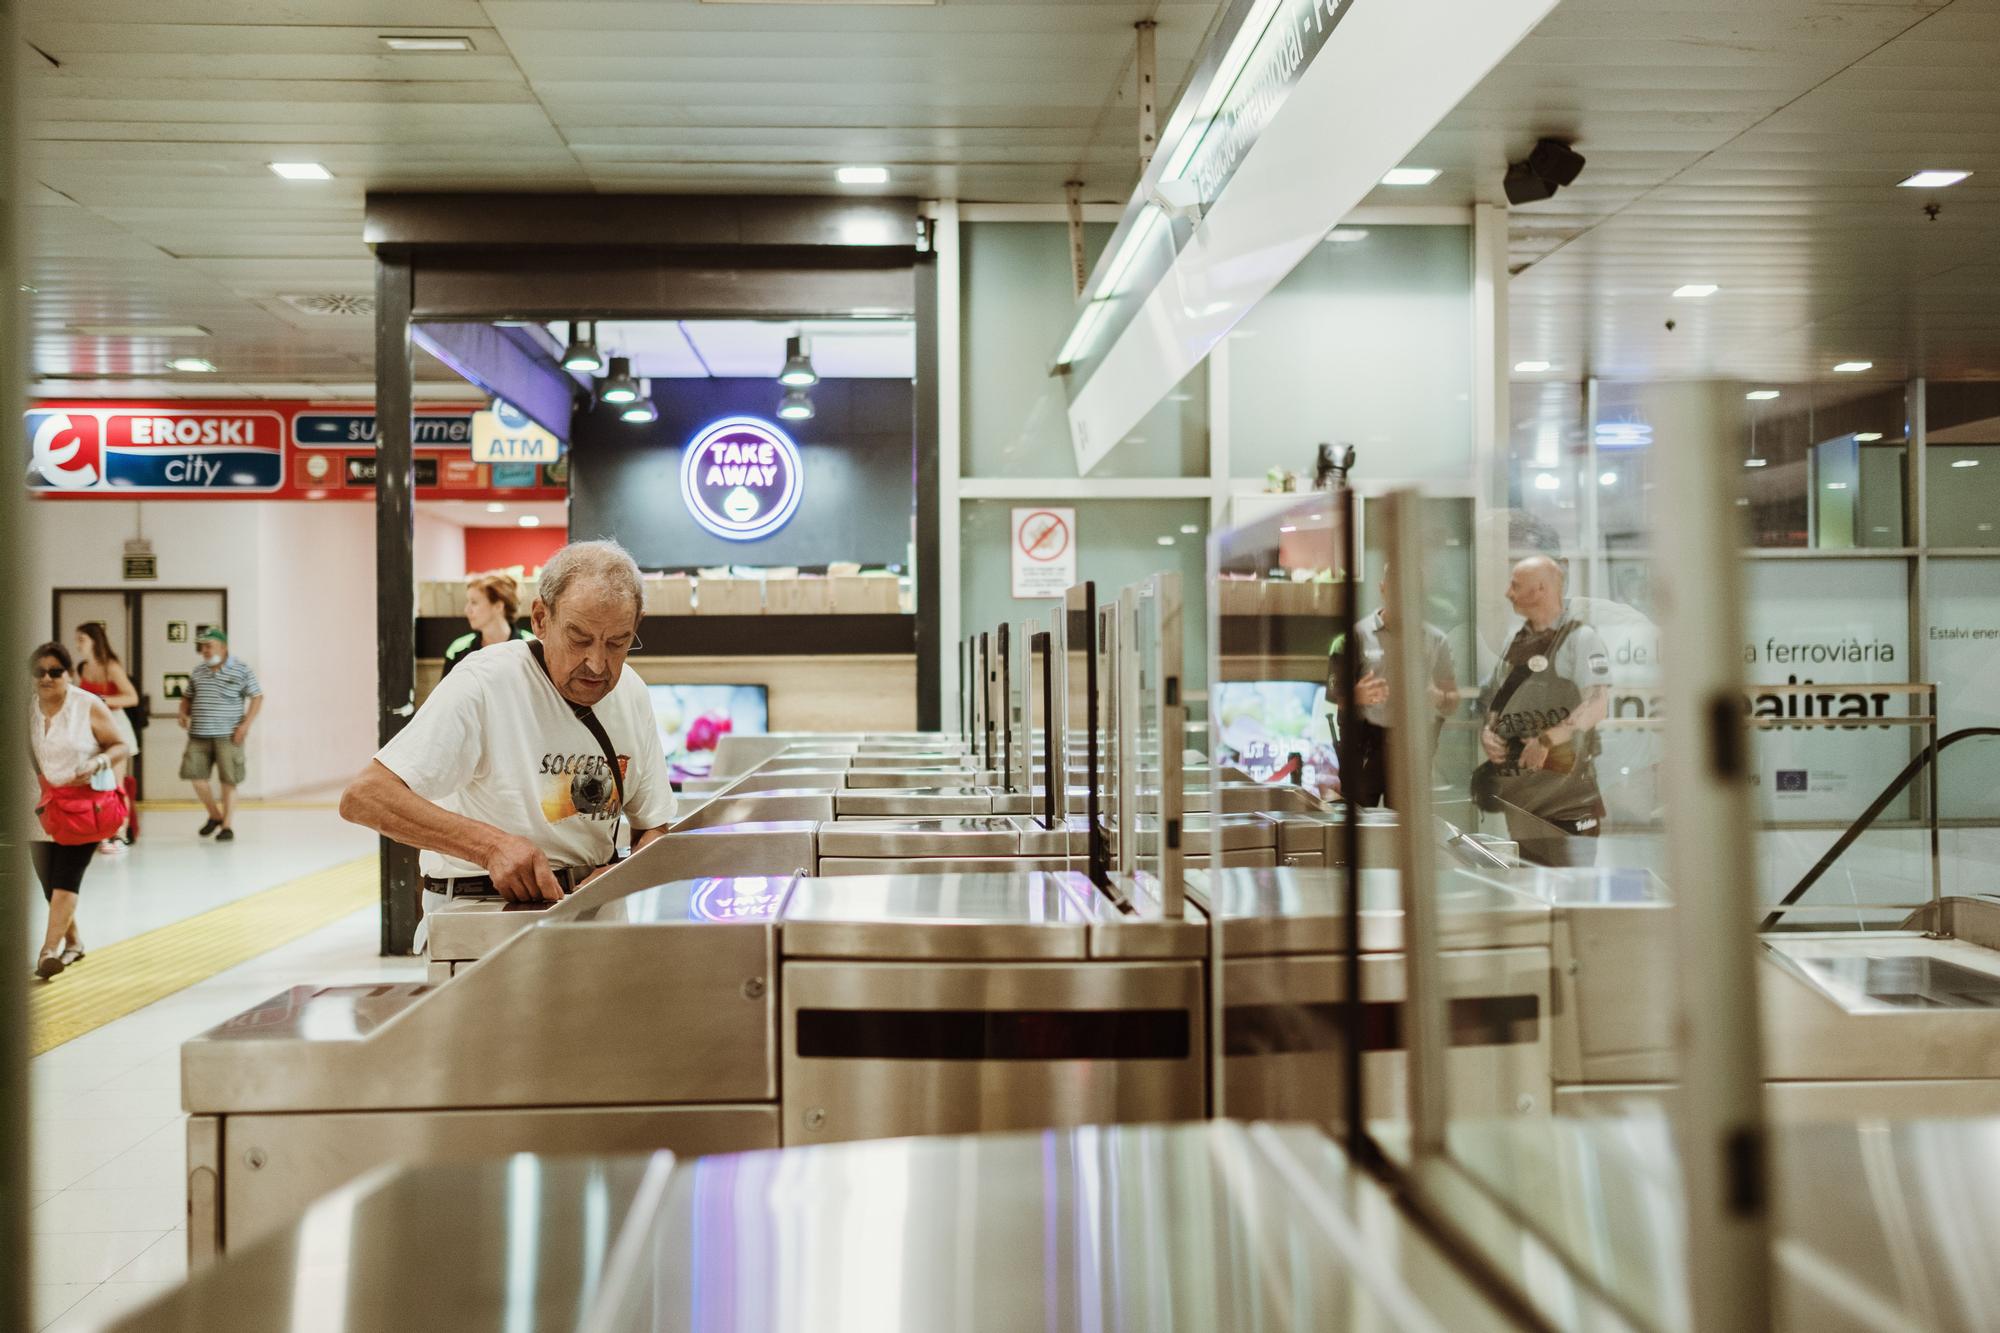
(741, 478)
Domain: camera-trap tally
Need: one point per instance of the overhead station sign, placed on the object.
(102, 449)
(742, 478)
(155, 451)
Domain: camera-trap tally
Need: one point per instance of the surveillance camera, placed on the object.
(1670, 326)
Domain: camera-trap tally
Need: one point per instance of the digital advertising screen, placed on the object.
(1276, 731)
(694, 718)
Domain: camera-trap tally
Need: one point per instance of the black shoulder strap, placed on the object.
(586, 715)
(1519, 675)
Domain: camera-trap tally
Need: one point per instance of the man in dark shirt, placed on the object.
(1362, 742)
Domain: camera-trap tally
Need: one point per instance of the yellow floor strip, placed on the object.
(122, 978)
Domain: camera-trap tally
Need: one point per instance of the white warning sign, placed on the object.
(1044, 552)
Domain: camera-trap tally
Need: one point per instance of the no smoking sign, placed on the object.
(1044, 552)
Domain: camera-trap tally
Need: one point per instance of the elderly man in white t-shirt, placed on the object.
(500, 778)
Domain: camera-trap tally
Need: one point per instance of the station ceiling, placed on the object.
(154, 123)
(1755, 146)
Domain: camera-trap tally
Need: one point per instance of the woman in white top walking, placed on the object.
(72, 737)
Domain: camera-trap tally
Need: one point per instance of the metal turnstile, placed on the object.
(707, 1016)
(1122, 1229)
(1284, 992)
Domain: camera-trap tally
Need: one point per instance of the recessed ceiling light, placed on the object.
(1547, 481)
(1607, 479)
(862, 175)
(1347, 235)
(1695, 289)
(496, 508)
(1411, 176)
(139, 330)
(1868, 436)
(428, 43)
(1965, 462)
(194, 365)
(302, 171)
(1755, 462)
(1190, 529)
(1166, 541)
(1932, 180)
(1836, 485)
(529, 521)
(1851, 367)
(1531, 367)
(1761, 395)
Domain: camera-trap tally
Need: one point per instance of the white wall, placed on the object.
(301, 583)
(316, 637)
(440, 548)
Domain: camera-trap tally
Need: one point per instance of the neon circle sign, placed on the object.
(741, 478)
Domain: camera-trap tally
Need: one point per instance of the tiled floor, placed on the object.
(109, 1147)
(171, 873)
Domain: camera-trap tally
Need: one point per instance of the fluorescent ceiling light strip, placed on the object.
(1227, 72)
(1135, 242)
(1080, 336)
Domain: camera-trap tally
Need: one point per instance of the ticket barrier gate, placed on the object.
(1120, 1229)
(708, 1016)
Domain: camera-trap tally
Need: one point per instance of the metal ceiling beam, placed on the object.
(508, 363)
(419, 221)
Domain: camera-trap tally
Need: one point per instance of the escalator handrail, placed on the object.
(1868, 817)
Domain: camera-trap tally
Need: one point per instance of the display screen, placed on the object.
(1277, 731)
(693, 719)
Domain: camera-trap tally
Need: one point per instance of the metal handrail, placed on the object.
(1868, 817)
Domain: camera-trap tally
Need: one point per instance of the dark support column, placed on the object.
(17, 885)
(930, 661)
(395, 578)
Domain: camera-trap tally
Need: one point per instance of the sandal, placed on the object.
(50, 965)
(72, 955)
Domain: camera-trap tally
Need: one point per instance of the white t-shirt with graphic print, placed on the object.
(495, 742)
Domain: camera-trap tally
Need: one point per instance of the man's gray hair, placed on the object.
(604, 563)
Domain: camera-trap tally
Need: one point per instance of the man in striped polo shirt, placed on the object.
(222, 700)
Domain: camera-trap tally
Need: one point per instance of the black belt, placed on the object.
(481, 886)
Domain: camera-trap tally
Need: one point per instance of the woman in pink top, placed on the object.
(99, 671)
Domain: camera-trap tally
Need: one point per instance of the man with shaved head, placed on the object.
(1548, 693)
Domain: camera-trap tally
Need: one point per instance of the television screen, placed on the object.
(692, 718)
(1276, 731)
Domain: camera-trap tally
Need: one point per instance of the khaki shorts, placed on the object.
(205, 753)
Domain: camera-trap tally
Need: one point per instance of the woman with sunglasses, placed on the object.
(71, 738)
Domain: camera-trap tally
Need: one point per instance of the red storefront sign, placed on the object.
(99, 449)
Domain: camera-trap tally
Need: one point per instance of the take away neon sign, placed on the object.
(741, 478)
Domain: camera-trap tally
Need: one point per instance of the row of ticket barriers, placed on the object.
(714, 1089)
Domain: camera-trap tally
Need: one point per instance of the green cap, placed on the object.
(215, 635)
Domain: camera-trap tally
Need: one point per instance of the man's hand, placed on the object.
(183, 720)
(1371, 690)
(241, 733)
(1534, 754)
(1496, 749)
(520, 872)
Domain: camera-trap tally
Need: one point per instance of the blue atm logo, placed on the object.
(1791, 780)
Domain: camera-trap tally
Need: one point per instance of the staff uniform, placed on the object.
(1363, 740)
(1551, 808)
(497, 743)
(465, 645)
